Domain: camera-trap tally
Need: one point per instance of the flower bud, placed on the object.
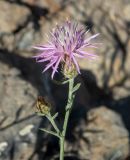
(43, 106)
(69, 69)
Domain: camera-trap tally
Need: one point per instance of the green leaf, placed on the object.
(60, 82)
(64, 82)
(55, 115)
(40, 114)
(50, 132)
(76, 87)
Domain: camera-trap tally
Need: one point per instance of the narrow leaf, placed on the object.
(50, 132)
(60, 82)
(40, 114)
(55, 115)
(76, 87)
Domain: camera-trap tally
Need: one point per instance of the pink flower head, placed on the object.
(67, 43)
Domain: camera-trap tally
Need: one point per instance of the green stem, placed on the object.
(67, 114)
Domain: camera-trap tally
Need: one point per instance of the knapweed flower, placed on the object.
(67, 43)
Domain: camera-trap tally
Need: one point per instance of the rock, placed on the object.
(106, 136)
(17, 109)
(3, 146)
(12, 16)
(25, 39)
(13, 19)
(126, 12)
(25, 131)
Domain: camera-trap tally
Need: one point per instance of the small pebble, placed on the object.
(26, 130)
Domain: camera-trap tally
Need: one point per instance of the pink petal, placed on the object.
(55, 68)
(92, 37)
(76, 64)
(49, 65)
